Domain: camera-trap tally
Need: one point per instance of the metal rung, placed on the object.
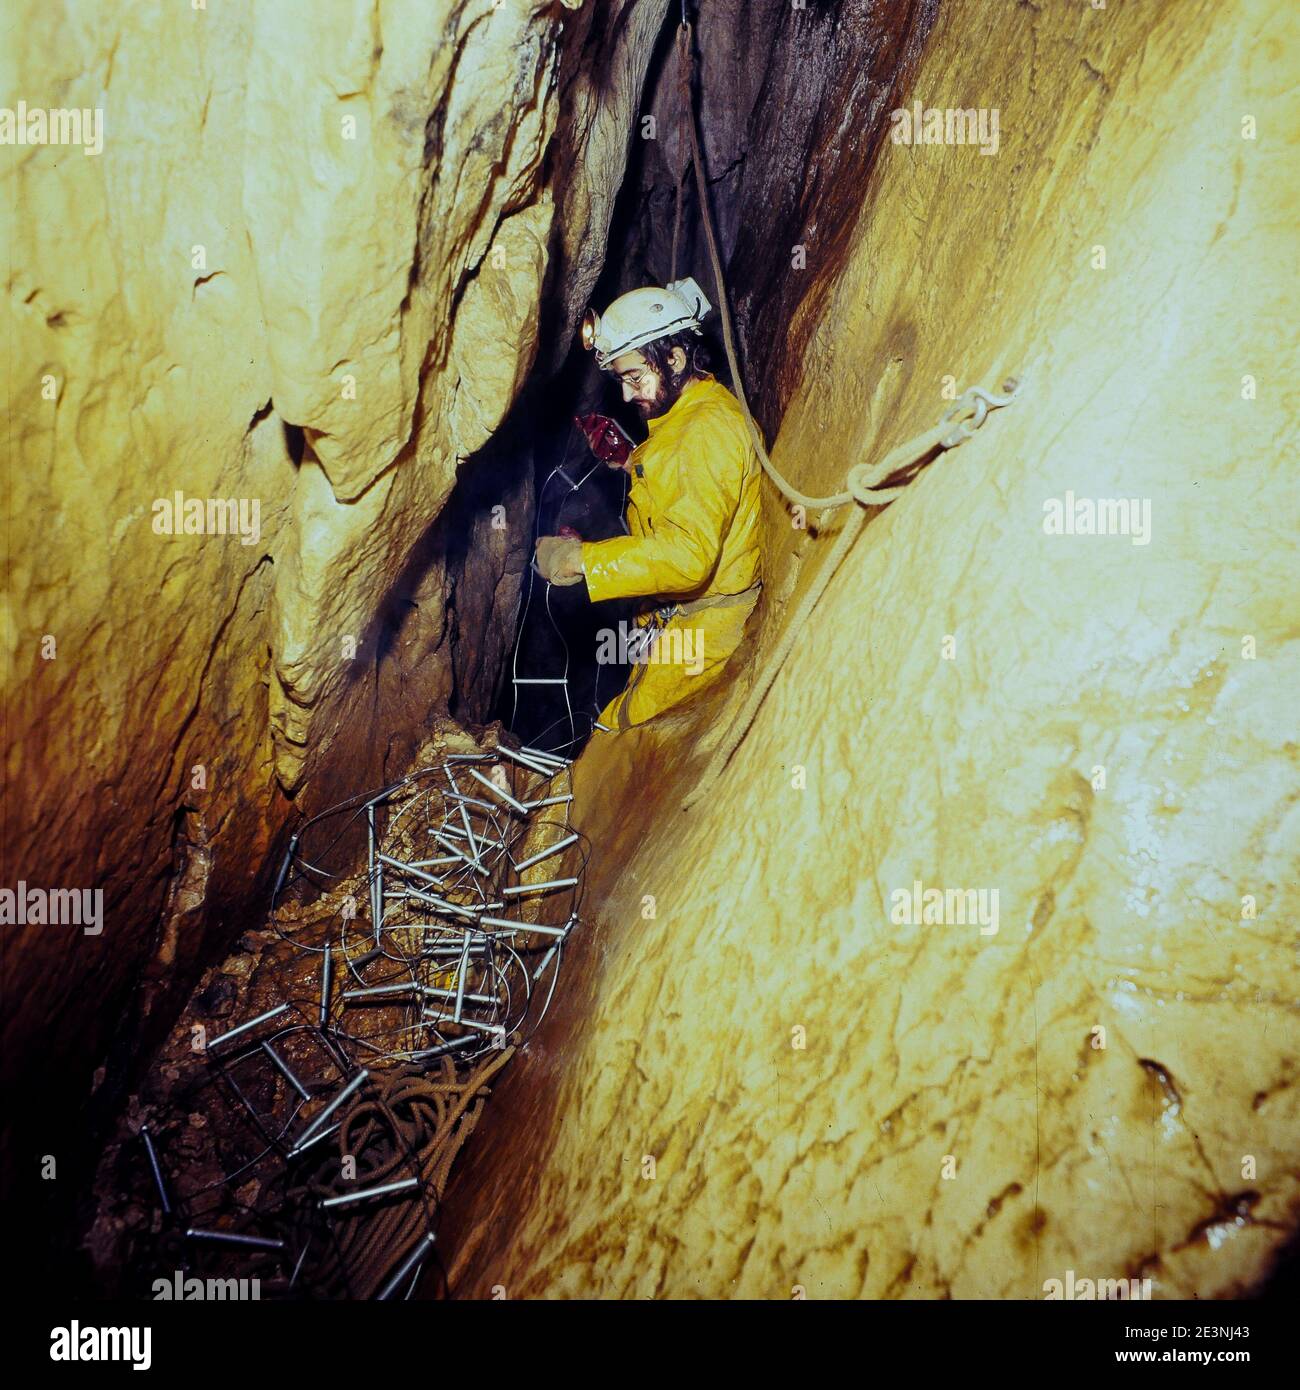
(539, 927)
(545, 756)
(539, 887)
(538, 680)
(546, 853)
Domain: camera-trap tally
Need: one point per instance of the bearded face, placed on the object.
(648, 387)
(667, 390)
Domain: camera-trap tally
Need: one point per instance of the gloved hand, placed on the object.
(559, 559)
(605, 438)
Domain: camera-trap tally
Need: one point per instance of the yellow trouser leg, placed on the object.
(691, 654)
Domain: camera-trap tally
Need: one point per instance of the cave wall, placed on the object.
(791, 105)
(304, 272)
(776, 131)
(846, 1104)
(792, 108)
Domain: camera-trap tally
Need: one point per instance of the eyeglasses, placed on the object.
(635, 378)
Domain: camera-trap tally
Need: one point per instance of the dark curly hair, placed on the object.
(698, 357)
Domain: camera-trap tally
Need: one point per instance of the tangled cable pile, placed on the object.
(351, 1102)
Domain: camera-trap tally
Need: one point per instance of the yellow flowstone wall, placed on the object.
(762, 1074)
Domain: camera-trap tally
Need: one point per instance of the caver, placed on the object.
(692, 552)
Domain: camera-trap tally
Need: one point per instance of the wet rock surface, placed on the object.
(777, 1064)
(838, 1093)
(304, 275)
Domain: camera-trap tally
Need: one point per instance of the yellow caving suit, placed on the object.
(693, 513)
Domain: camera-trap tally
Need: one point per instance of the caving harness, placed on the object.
(641, 642)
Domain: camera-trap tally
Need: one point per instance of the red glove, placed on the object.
(607, 441)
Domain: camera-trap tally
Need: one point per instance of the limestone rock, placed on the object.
(840, 1097)
(303, 275)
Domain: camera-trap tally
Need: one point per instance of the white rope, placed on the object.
(862, 483)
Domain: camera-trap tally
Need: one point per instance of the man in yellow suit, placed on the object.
(693, 505)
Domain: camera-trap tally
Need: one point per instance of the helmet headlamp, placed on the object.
(590, 327)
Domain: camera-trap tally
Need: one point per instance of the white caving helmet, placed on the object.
(640, 316)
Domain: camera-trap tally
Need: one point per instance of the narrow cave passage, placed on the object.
(760, 106)
(937, 949)
(535, 673)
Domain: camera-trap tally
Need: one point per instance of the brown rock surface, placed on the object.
(305, 272)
